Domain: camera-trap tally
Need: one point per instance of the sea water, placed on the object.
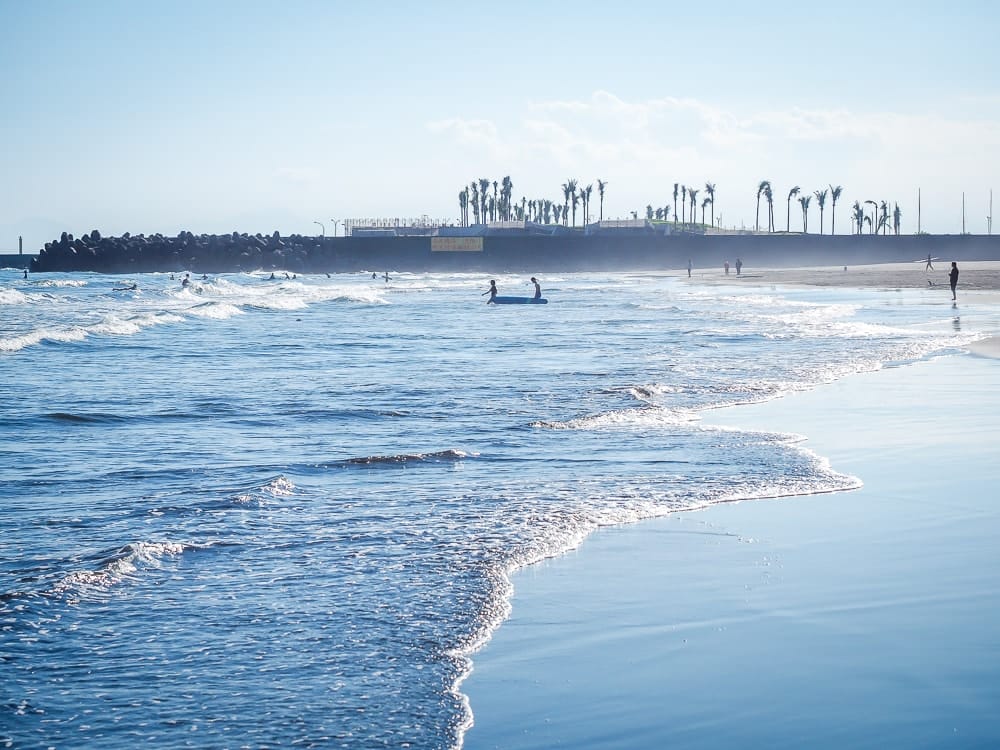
(256, 513)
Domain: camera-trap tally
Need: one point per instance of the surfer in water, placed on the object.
(186, 280)
(492, 291)
(538, 288)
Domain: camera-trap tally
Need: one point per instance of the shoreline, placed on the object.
(974, 276)
(851, 619)
(843, 620)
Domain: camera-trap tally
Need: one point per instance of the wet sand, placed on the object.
(859, 619)
(973, 276)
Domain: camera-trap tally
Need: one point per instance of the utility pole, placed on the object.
(918, 211)
(20, 239)
(963, 212)
(989, 217)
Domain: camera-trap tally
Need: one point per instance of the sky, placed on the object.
(251, 116)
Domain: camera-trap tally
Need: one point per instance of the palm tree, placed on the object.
(703, 204)
(821, 199)
(834, 196)
(569, 190)
(463, 207)
(576, 200)
(693, 194)
(475, 201)
(884, 218)
(675, 203)
(649, 212)
(874, 214)
(684, 195)
(505, 206)
(586, 203)
(557, 210)
(804, 201)
(764, 185)
(769, 197)
(788, 212)
(484, 186)
(858, 215)
(601, 184)
(896, 216)
(710, 189)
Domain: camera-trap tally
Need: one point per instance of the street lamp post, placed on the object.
(335, 223)
(321, 228)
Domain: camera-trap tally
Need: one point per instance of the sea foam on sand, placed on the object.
(859, 619)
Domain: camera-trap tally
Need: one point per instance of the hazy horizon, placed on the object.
(231, 117)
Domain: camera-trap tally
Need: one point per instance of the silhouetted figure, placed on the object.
(953, 278)
(25, 273)
(739, 266)
(726, 266)
(929, 266)
(538, 288)
(689, 268)
(492, 291)
(186, 280)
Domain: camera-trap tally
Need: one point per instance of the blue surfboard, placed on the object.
(520, 301)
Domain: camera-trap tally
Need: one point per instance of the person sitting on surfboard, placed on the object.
(538, 288)
(492, 291)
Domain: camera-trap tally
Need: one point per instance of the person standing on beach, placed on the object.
(492, 291)
(929, 266)
(726, 266)
(689, 268)
(739, 266)
(538, 288)
(953, 278)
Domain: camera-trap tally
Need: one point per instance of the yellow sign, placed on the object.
(457, 244)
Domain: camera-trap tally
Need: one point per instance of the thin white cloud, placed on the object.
(297, 175)
(467, 132)
(642, 144)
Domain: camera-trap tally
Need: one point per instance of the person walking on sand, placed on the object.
(689, 268)
(929, 266)
(492, 291)
(953, 278)
(739, 266)
(538, 288)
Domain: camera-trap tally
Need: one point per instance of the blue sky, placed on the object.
(218, 116)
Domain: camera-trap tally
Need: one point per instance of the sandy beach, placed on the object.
(973, 276)
(858, 619)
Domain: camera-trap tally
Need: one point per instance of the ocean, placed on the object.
(263, 513)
